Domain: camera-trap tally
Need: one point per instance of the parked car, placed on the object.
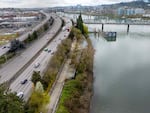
(20, 94)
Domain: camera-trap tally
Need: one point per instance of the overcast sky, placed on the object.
(51, 3)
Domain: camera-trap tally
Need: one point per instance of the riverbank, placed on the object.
(77, 92)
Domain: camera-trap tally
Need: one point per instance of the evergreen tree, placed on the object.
(80, 23)
(34, 35)
(36, 77)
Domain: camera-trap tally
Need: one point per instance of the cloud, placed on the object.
(51, 3)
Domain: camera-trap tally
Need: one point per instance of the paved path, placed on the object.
(56, 93)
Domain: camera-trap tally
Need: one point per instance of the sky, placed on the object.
(52, 3)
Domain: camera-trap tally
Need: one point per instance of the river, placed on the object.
(122, 71)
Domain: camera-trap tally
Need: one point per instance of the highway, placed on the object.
(24, 36)
(43, 59)
(8, 70)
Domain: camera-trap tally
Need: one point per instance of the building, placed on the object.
(139, 11)
(121, 11)
(130, 11)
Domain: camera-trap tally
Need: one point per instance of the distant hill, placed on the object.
(134, 4)
(144, 0)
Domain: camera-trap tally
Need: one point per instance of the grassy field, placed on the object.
(5, 38)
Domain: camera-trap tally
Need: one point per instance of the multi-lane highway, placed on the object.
(43, 59)
(10, 69)
(24, 36)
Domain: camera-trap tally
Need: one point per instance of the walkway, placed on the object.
(56, 93)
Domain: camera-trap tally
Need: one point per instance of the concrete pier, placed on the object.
(102, 27)
(128, 27)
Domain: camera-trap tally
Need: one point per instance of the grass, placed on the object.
(3, 58)
(72, 91)
(6, 38)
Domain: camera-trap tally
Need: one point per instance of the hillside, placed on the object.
(134, 4)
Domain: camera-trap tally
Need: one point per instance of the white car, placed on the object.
(20, 94)
(36, 65)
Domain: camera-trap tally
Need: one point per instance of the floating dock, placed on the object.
(110, 36)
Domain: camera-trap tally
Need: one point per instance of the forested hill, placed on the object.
(133, 4)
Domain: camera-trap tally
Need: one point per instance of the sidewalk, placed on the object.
(56, 93)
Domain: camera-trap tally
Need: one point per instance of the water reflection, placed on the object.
(122, 73)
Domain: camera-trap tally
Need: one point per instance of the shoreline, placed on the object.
(77, 92)
(91, 75)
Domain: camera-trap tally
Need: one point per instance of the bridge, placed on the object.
(103, 23)
(121, 22)
(101, 28)
(128, 22)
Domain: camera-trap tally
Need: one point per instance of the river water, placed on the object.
(122, 71)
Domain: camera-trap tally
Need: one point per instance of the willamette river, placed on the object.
(122, 71)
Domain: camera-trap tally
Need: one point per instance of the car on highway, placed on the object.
(3, 47)
(52, 53)
(20, 94)
(49, 51)
(24, 81)
(36, 65)
(46, 49)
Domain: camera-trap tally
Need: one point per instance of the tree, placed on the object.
(45, 27)
(9, 102)
(80, 23)
(85, 29)
(15, 45)
(39, 87)
(71, 35)
(29, 37)
(36, 77)
(34, 35)
(38, 102)
(46, 80)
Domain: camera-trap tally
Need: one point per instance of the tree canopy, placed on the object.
(9, 102)
(81, 26)
(80, 23)
(36, 77)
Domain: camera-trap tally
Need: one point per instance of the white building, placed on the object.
(139, 11)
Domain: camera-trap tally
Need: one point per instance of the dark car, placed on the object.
(3, 47)
(24, 81)
(49, 51)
